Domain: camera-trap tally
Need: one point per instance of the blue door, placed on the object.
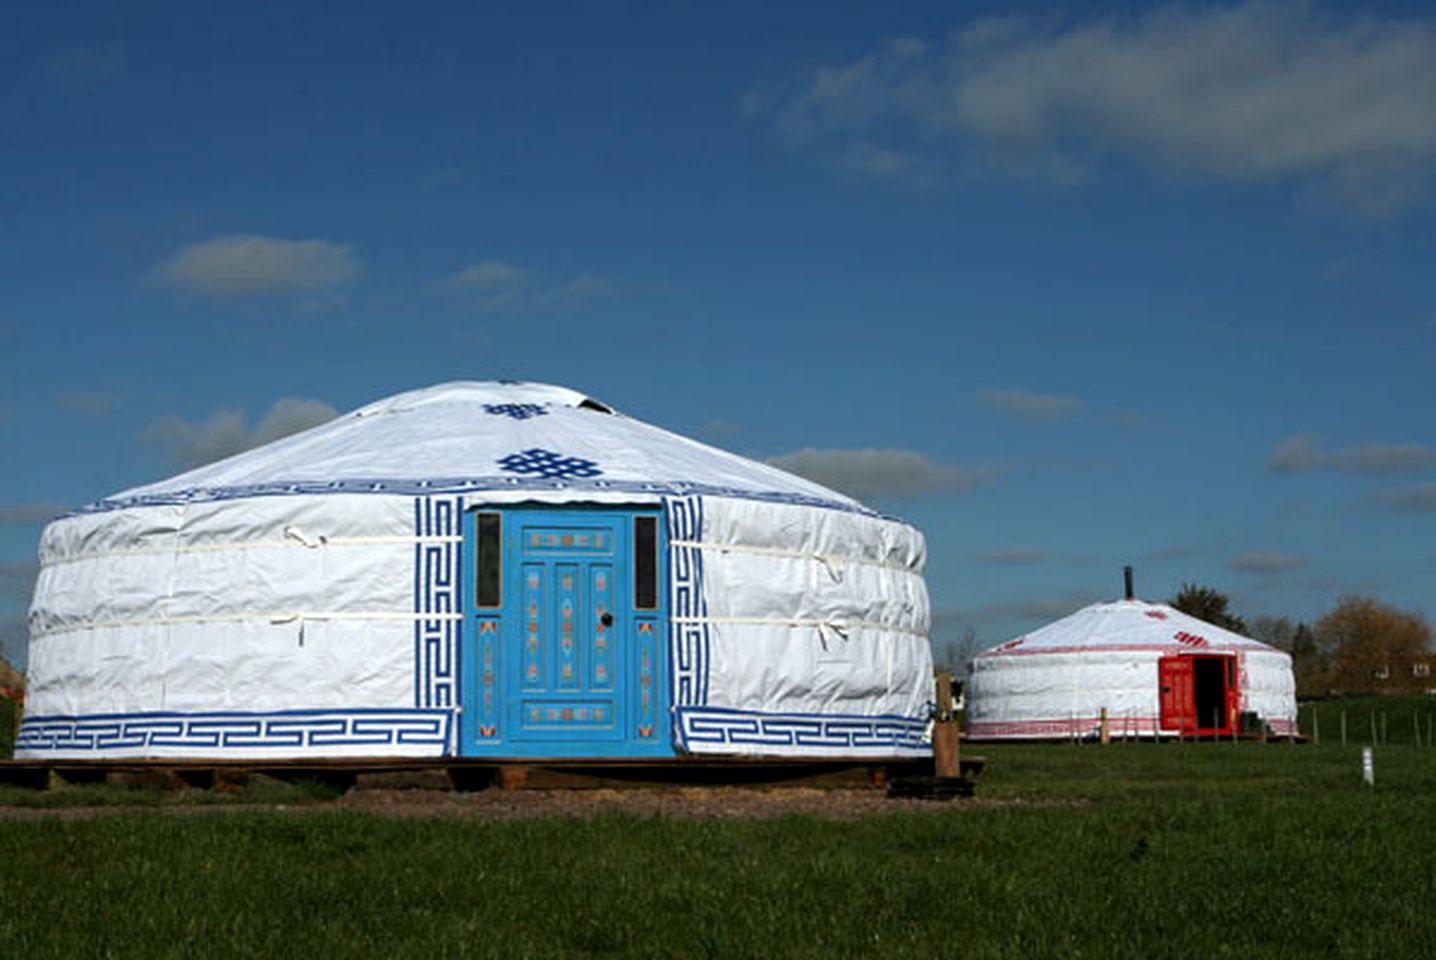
(563, 654)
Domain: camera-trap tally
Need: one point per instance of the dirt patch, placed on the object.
(685, 802)
(495, 804)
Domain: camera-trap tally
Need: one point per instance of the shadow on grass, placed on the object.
(259, 792)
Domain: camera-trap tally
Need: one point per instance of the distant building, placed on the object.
(1153, 670)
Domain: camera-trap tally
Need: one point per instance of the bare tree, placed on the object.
(953, 653)
(1372, 647)
(1308, 664)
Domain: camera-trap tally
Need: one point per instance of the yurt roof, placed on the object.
(1134, 625)
(475, 436)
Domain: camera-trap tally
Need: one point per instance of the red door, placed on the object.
(1231, 703)
(1199, 694)
(1174, 677)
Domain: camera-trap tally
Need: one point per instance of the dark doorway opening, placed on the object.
(1199, 695)
(1209, 691)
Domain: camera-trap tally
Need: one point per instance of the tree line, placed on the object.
(1361, 646)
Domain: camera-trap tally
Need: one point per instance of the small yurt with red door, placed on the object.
(1153, 670)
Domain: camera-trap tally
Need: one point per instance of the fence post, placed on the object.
(1343, 726)
(944, 730)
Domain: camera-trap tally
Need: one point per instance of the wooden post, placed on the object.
(1416, 728)
(1371, 719)
(1385, 729)
(944, 731)
(1343, 726)
(1315, 725)
(1102, 728)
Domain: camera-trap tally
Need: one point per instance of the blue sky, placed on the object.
(1068, 286)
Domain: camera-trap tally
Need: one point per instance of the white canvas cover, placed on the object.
(284, 602)
(1055, 681)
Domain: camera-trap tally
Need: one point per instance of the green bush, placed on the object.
(9, 726)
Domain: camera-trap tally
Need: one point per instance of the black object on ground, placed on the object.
(930, 788)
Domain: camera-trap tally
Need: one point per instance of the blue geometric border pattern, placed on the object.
(688, 642)
(437, 572)
(519, 411)
(301, 729)
(464, 485)
(801, 732)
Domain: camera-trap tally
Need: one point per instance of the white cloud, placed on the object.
(579, 290)
(882, 473)
(1266, 561)
(189, 443)
(1176, 552)
(900, 167)
(1030, 405)
(494, 285)
(17, 585)
(1303, 452)
(498, 286)
(720, 428)
(17, 580)
(255, 266)
(30, 514)
(1420, 498)
(1037, 609)
(91, 403)
(1247, 92)
(1013, 556)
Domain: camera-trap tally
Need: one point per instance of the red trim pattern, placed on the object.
(1114, 648)
(1117, 727)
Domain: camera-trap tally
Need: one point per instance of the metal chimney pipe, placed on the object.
(1127, 577)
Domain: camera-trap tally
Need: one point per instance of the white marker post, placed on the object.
(1368, 767)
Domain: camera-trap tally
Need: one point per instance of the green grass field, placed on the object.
(1393, 720)
(1129, 850)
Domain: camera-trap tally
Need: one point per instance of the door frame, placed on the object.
(490, 647)
(1187, 720)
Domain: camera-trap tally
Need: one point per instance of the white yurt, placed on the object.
(1157, 672)
(501, 570)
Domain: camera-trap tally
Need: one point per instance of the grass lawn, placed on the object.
(1394, 720)
(1130, 850)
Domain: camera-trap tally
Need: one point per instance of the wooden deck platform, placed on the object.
(450, 773)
